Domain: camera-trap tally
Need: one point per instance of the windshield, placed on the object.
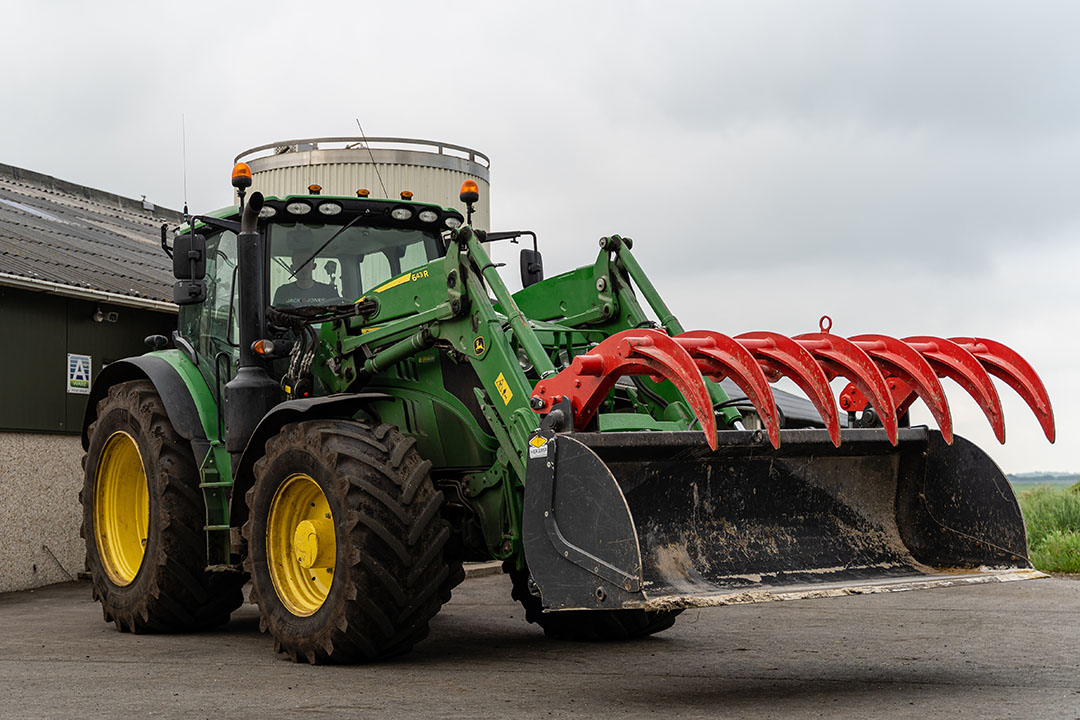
(355, 262)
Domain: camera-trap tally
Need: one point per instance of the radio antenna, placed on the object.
(183, 144)
(370, 155)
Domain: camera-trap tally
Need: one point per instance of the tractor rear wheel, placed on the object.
(345, 542)
(143, 518)
(587, 625)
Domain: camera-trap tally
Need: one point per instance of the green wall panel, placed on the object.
(39, 330)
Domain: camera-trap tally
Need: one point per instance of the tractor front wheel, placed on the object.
(143, 518)
(345, 542)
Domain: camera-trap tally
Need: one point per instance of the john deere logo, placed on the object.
(478, 346)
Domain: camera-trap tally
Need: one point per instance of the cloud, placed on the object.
(908, 167)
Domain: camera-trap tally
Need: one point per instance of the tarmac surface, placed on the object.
(987, 651)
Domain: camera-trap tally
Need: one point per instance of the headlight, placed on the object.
(329, 208)
(453, 222)
(401, 213)
(267, 212)
(298, 208)
(428, 216)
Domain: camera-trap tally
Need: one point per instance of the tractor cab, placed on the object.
(314, 251)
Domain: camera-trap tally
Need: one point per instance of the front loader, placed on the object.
(354, 404)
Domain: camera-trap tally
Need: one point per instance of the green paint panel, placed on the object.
(40, 330)
(559, 296)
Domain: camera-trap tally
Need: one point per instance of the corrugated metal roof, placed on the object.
(65, 236)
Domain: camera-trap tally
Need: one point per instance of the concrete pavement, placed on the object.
(986, 651)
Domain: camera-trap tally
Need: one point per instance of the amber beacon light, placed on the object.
(241, 175)
(470, 193)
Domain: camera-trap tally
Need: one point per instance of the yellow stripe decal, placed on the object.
(395, 282)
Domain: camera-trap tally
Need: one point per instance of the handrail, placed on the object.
(361, 141)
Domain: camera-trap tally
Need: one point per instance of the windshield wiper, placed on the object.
(322, 247)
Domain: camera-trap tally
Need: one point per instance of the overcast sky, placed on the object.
(907, 168)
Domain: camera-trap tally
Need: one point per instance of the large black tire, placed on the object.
(171, 590)
(388, 574)
(586, 625)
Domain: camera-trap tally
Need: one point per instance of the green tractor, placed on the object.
(354, 404)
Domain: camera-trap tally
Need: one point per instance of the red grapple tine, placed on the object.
(1003, 362)
(902, 360)
(842, 357)
(728, 358)
(952, 361)
(661, 355)
(781, 355)
(631, 352)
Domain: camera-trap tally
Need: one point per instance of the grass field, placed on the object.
(1052, 518)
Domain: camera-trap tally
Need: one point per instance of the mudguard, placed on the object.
(175, 392)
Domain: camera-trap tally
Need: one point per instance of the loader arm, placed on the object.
(444, 308)
(459, 320)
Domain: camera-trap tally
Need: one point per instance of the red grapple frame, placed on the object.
(632, 352)
(884, 373)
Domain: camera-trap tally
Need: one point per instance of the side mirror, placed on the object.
(532, 267)
(189, 292)
(189, 257)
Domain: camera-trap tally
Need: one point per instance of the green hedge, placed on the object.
(1052, 517)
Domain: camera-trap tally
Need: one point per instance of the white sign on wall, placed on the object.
(78, 374)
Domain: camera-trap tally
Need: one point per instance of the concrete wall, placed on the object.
(40, 514)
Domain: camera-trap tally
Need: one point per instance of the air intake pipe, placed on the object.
(252, 392)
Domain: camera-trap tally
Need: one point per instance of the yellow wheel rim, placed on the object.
(121, 508)
(300, 545)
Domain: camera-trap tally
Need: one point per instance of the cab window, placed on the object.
(307, 267)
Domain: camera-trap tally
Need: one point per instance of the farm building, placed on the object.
(83, 280)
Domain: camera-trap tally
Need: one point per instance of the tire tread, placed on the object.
(397, 574)
(172, 591)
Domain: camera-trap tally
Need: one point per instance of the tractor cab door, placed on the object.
(212, 326)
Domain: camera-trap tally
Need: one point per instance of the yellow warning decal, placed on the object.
(538, 442)
(504, 389)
